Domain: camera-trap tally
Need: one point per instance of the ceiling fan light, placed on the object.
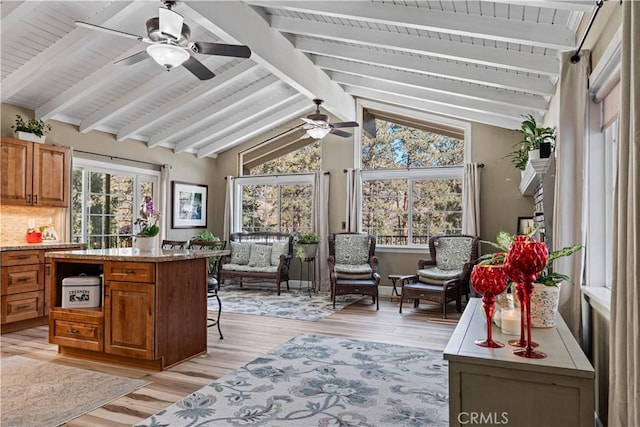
(167, 55)
(318, 132)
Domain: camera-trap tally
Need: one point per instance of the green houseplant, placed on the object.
(536, 142)
(306, 244)
(206, 236)
(37, 128)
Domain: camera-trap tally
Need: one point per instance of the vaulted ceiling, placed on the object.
(484, 61)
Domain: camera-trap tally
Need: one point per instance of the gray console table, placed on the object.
(494, 386)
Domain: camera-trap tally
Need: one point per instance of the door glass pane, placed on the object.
(384, 210)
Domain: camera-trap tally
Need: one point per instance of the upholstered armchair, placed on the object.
(444, 277)
(353, 266)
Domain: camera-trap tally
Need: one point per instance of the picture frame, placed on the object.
(188, 205)
(525, 225)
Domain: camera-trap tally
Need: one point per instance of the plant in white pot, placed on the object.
(305, 245)
(546, 289)
(536, 143)
(32, 130)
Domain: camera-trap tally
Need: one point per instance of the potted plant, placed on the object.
(207, 236)
(33, 130)
(306, 245)
(536, 143)
(546, 289)
(34, 235)
(148, 227)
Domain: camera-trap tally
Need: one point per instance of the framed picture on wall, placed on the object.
(525, 225)
(188, 205)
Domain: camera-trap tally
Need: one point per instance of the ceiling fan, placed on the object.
(318, 126)
(169, 45)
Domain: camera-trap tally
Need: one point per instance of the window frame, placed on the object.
(413, 174)
(139, 175)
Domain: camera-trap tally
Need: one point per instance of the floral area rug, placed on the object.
(293, 304)
(318, 380)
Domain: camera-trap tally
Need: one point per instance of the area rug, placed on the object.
(318, 380)
(36, 393)
(293, 304)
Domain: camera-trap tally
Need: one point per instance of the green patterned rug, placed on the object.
(318, 380)
(36, 393)
(264, 301)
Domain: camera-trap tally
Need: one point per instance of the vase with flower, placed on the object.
(147, 236)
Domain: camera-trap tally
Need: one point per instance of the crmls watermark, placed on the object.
(485, 418)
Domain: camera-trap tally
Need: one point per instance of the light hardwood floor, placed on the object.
(245, 338)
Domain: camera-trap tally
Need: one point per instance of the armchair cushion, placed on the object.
(352, 249)
(452, 252)
(437, 276)
(240, 253)
(247, 268)
(278, 248)
(353, 272)
(260, 256)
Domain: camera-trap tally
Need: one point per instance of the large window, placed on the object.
(105, 202)
(412, 174)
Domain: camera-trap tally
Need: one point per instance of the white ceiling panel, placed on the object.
(487, 61)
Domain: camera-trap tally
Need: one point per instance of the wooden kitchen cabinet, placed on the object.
(22, 286)
(34, 174)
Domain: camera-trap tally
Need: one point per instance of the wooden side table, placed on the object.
(399, 279)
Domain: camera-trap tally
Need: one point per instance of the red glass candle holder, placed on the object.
(489, 281)
(517, 277)
(529, 257)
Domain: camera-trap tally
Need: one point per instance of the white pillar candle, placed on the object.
(510, 321)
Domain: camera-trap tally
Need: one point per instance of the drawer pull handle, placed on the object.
(73, 331)
(23, 279)
(22, 307)
(23, 257)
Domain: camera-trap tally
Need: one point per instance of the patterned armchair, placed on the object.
(353, 266)
(444, 277)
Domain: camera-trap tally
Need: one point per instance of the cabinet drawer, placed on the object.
(140, 272)
(76, 330)
(28, 305)
(22, 278)
(10, 258)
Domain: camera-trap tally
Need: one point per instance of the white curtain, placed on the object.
(624, 348)
(228, 208)
(320, 218)
(569, 225)
(471, 202)
(165, 199)
(354, 198)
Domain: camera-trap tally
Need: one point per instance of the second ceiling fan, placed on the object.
(169, 44)
(318, 126)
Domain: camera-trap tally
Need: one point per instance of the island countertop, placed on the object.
(43, 245)
(131, 254)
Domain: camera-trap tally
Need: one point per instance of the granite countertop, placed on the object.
(130, 254)
(43, 245)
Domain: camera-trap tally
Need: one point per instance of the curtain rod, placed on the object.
(480, 165)
(119, 158)
(576, 56)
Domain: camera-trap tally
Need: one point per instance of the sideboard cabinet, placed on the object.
(34, 174)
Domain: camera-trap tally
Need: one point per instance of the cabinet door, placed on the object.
(128, 315)
(17, 164)
(51, 174)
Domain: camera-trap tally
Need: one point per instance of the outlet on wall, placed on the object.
(344, 225)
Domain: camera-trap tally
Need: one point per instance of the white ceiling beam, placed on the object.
(92, 83)
(15, 12)
(241, 23)
(431, 95)
(258, 127)
(475, 53)
(243, 116)
(219, 113)
(208, 88)
(431, 107)
(430, 66)
(70, 44)
(467, 90)
(577, 5)
(461, 24)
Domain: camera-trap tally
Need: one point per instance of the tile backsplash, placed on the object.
(14, 221)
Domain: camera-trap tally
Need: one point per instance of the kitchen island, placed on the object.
(152, 310)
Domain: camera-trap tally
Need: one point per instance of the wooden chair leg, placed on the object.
(401, 303)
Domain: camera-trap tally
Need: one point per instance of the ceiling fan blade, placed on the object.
(340, 133)
(133, 59)
(109, 31)
(235, 50)
(170, 23)
(311, 122)
(345, 125)
(198, 69)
